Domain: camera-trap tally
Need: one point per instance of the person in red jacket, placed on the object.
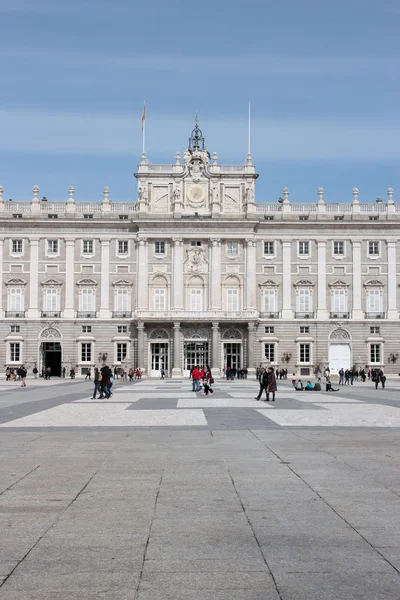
(196, 379)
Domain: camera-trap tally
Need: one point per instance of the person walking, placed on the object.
(271, 384)
(208, 381)
(196, 379)
(22, 372)
(88, 374)
(162, 373)
(346, 377)
(106, 374)
(35, 372)
(97, 383)
(261, 382)
(64, 372)
(382, 378)
(341, 377)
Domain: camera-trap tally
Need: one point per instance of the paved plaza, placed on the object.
(162, 493)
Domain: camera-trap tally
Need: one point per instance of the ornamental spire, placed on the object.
(196, 140)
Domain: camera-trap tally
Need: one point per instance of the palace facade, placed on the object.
(195, 271)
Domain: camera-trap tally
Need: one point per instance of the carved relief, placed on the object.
(195, 333)
(340, 334)
(232, 199)
(232, 334)
(50, 333)
(159, 334)
(196, 169)
(159, 202)
(196, 261)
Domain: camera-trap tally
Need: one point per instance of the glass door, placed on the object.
(159, 358)
(232, 355)
(194, 353)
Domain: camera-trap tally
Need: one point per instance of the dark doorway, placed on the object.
(52, 357)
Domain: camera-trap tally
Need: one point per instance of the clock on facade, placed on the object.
(196, 193)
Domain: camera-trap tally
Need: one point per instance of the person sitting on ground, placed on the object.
(328, 386)
(317, 387)
(309, 386)
(299, 385)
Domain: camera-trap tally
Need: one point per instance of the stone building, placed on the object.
(195, 271)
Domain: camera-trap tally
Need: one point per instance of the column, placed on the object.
(358, 312)
(177, 267)
(392, 312)
(69, 312)
(140, 343)
(287, 312)
(1, 278)
(105, 280)
(251, 274)
(142, 274)
(33, 309)
(214, 351)
(322, 312)
(215, 274)
(177, 370)
(250, 348)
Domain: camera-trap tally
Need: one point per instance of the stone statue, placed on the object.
(177, 195)
(142, 195)
(249, 195)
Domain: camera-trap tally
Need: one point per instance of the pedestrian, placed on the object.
(48, 373)
(195, 379)
(294, 380)
(35, 372)
(72, 373)
(130, 373)
(261, 382)
(162, 373)
(88, 374)
(64, 371)
(341, 376)
(271, 384)
(97, 383)
(352, 375)
(382, 378)
(22, 372)
(106, 374)
(8, 374)
(208, 382)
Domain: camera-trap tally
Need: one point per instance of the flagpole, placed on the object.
(249, 146)
(144, 128)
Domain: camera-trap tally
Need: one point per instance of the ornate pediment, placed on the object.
(122, 283)
(16, 281)
(373, 283)
(304, 283)
(51, 283)
(339, 283)
(86, 281)
(268, 283)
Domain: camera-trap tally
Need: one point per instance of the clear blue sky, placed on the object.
(322, 77)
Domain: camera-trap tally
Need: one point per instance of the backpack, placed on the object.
(100, 377)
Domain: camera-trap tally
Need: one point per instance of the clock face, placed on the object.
(196, 193)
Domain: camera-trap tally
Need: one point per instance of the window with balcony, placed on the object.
(121, 301)
(51, 302)
(269, 301)
(339, 302)
(87, 301)
(374, 303)
(15, 300)
(159, 299)
(86, 352)
(159, 248)
(375, 353)
(15, 352)
(269, 352)
(304, 353)
(16, 247)
(196, 299)
(232, 249)
(232, 300)
(304, 302)
(122, 351)
(123, 248)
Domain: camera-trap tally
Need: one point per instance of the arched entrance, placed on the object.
(159, 352)
(195, 349)
(232, 348)
(339, 351)
(50, 351)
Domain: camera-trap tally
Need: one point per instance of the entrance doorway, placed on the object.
(159, 358)
(232, 355)
(194, 353)
(51, 356)
(339, 357)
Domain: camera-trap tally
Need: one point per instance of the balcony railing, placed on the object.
(374, 315)
(51, 314)
(15, 314)
(85, 314)
(269, 315)
(122, 314)
(339, 315)
(304, 315)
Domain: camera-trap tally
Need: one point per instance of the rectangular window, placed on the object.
(269, 301)
(51, 300)
(373, 248)
(232, 249)
(375, 353)
(159, 248)
(304, 329)
(52, 216)
(374, 301)
(15, 352)
(304, 248)
(123, 217)
(16, 246)
(87, 247)
(196, 300)
(122, 352)
(15, 300)
(86, 329)
(122, 300)
(269, 329)
(304, 301)
(339, 299)
(122, 329)
(269, 248)
(338, 248)
(122, 247)
(86, 352)
(305, 353)
(375, 330)
(195, 243)
(52, 246)
(88, 216)
(15, 329)
(232, 300)
(87, 300)
(159, 299)
(269, 352)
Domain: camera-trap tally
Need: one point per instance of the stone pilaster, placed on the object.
(322, 312)
(250, 286)
(215, 274)
(214, 351)
(358, 312)
(33, 309)
(69, 311)
(392, 312)
(142, 271)
(105, 280)
(140, 342)
(287, 312)
(177, 267)
(1, 278)
(177, 369)
(250, 348)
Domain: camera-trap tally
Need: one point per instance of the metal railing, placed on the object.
(374, 315)
(121, 314)
(85, 314)
(269, 315)
(15, 314)
(339, 315)
(304, 315)
(51, 314)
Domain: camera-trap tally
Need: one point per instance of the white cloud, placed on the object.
(119, 135)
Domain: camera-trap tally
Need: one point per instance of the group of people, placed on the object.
(267, 381)
(17, 374)
(232, 372)
(202, 379)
